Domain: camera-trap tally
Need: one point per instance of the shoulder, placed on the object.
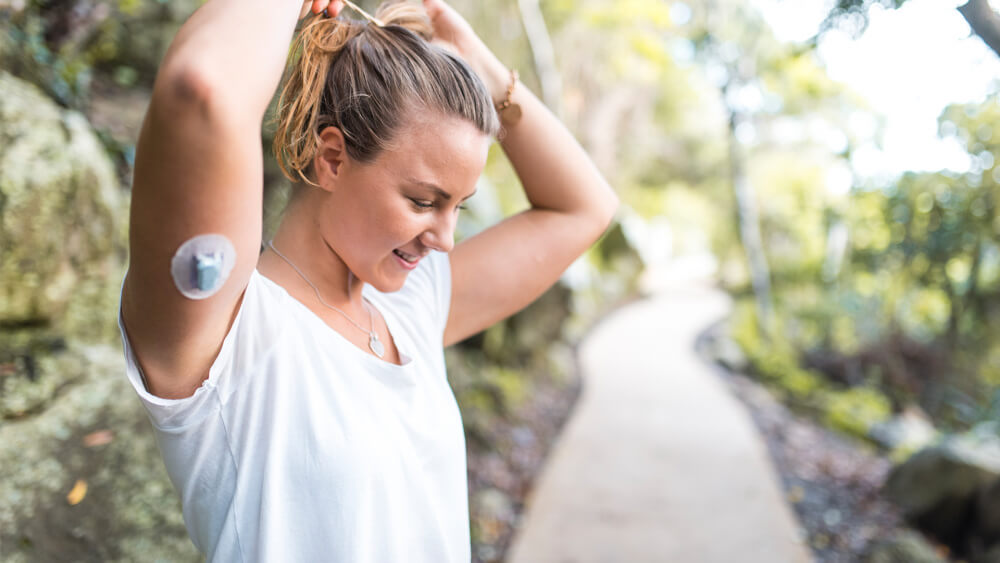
(432, 277)
(425, 297)
(255, 329)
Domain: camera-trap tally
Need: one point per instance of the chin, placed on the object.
(388, 286)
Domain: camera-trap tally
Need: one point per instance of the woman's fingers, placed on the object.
(450, 28)
(317, 6)
(433, 8)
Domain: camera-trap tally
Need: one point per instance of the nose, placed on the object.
(441, 235)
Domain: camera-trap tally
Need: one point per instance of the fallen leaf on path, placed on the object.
(98, 438)
(79, 491)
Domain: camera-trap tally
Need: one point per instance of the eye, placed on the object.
(422, 204)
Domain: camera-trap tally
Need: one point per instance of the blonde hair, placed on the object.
(365, 80)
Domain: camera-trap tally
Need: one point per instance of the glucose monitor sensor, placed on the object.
(202, 265)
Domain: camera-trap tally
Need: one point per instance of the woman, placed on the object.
(299, 395)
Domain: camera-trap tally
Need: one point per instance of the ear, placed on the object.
(331, 156)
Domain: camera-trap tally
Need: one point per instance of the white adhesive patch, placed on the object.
(202, 265)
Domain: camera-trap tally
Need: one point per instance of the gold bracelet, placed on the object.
(510, 113)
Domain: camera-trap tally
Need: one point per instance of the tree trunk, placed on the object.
(746, 207)
(984, 22)
(542, 53)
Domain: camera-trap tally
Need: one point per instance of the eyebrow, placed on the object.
(436, 189)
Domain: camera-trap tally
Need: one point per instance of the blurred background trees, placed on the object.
(858, 297)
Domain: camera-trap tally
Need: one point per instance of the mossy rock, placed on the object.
(905, 546)
(63, 219)
(93, 440)
(936, 488)
(619, 261)
(527, 336)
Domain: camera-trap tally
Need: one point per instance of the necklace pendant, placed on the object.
(376, 345)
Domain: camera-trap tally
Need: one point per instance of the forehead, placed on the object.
(446, 151)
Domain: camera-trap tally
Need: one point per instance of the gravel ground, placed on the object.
(832, 481)
(503, 463)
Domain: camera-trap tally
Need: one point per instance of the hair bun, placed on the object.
(409, 15)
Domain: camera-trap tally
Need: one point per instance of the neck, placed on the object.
(298, 238)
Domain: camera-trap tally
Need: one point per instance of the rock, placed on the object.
(495, 503)
(62, 219)
(909, 431)
(495, 513)
(620, 262)
(94, 432)
(988, 515)
(937, 486)
(529, 333)
(728, 353)
(992, 555)
(905, 546)
(984, 436)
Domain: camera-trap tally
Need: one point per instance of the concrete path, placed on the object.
(658, 462)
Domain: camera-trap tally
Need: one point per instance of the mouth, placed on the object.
(408, 260)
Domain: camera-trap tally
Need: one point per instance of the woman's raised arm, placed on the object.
(504, 268)
(233, 52)
(199, 170)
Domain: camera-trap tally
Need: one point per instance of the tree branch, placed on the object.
(984, 22)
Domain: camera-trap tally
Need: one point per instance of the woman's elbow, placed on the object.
(603, 211)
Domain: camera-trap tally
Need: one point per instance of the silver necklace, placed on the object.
(373, 342)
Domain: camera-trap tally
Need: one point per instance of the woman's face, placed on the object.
(382, 217)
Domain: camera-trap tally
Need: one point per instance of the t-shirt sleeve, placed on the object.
(441, 287)
(172, 414)
(425, 297)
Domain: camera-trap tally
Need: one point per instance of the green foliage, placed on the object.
(851, 410)
(65, 74)
(793, 209)
(915, 290)
(856, 410)
(61, 46)
(775, 361)
(798, 79)
(851, 16)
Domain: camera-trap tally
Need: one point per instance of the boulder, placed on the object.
(937, 488)
(726, 352)
(986, 535)
(910, 431)
(619, 262)
(529, 334)
(905, 546)
(83, 479)
(987, 510)
(63, 220)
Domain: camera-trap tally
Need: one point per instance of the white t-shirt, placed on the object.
(301, 447)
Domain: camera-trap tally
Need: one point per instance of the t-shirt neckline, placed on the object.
(390, 321)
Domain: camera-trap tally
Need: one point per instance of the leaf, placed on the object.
(79, 491)
(98, 438)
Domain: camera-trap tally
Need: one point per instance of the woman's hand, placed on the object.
(332, 8)
(454, 33)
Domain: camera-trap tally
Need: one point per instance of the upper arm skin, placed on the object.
(198, 170)
(499, 271)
